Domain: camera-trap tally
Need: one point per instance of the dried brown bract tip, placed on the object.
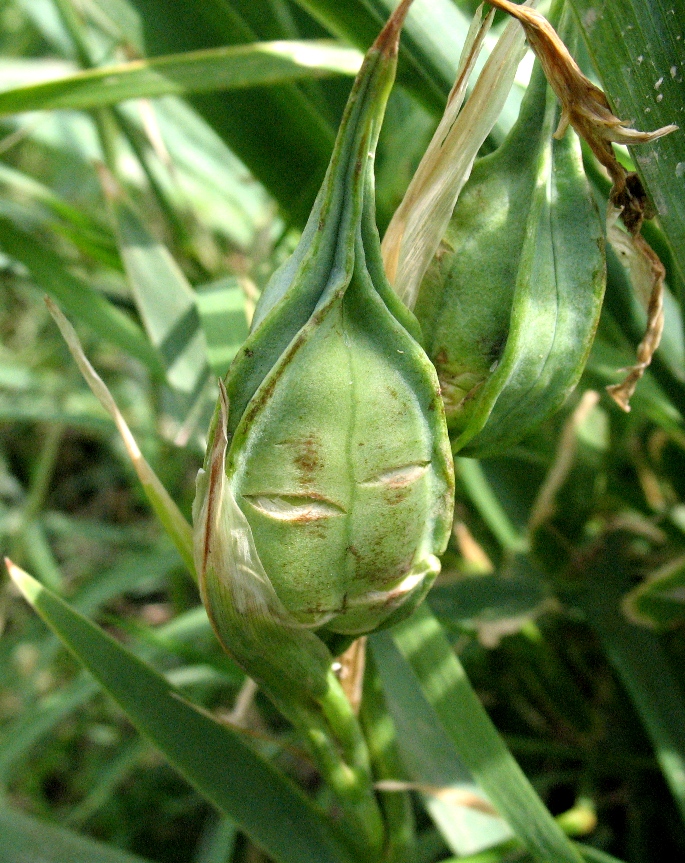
(387, 41)
(584, 106)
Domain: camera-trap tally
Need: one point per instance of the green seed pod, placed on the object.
(511, 300)
(328, 489)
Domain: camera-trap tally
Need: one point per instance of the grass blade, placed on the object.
(166, 510)
(79, 299)
(214, 759)
(257, 65)
(278, 133)
(640, 661)
(25, 838)
(446, 686)
(221, 307)
(431, 43)
(163, 296)
(430, 758)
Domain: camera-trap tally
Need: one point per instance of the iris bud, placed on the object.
(329, 456)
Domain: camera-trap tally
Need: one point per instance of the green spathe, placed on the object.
(328, 488)
(512, 299)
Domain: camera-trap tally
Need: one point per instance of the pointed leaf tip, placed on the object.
(28, 586)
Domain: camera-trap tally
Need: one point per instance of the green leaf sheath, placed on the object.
(512, 299)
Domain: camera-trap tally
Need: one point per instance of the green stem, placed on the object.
(338, 746)
(385, 759)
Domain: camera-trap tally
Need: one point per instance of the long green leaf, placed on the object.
(433, 37)
(216, 760)
(221, 307)
(27, 839)
(234, 67)
(446, 686)
(163, 296)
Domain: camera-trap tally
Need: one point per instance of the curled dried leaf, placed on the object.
(647, 275)
(584, 106)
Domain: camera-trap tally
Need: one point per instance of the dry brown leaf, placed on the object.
(351, 671)
(647, 275)
(584, 106)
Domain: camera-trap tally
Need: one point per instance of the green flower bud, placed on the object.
(512, 298)
(328, 490)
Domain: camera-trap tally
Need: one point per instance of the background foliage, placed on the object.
(154, 222)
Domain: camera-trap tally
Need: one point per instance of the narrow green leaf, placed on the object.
(165, 508)
(31, 726)
(27, 839)
(21, 736)
(279, 133)
(433, 36)
(430, 758)
(43, 205)
(659, 601)
(476, 485)
(213, 758)
(163, 296)
(79, 299)
(221, 307)
(486, 599)
(234, 67)
(461, 715)
(219, 845)
(109, 778)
